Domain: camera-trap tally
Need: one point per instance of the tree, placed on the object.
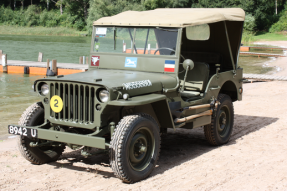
(60, 4)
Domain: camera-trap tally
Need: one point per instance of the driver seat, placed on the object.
(196, 80)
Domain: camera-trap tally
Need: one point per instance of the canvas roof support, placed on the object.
(229, 47)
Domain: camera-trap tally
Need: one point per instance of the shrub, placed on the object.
(249, 23)
(34, 16)
(281, 25)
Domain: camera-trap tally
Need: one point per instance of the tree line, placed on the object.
(79, 14)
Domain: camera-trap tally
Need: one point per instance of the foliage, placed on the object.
(247, 37)
(249, 23)
(79, 14)
(281, 25)
(34, 16)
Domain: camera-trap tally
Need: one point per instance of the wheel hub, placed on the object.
(138, 148)
(141, 149)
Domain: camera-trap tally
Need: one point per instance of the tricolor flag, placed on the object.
(169, 65)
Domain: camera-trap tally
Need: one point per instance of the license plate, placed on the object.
(22, 131)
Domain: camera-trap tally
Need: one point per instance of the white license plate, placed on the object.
(22, 131)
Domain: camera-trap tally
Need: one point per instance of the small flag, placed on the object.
(169, 65)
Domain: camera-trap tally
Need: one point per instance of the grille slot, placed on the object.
(78, 102)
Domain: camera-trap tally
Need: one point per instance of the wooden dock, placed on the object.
(264, 77)
(262, 54)
(247, 48)
(40, 68)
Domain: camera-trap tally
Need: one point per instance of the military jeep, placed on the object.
(148, 71)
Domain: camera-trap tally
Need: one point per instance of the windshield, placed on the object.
(155, 41)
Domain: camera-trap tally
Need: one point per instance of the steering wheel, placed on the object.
(168, 49)
(164, 48)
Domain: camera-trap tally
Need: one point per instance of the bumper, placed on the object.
(64, 137)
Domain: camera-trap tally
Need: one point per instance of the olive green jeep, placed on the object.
(148, 71)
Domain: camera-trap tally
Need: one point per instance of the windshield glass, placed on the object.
(156, 41)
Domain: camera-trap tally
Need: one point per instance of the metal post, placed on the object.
(4, 63)
(124, 47)
(146, 40)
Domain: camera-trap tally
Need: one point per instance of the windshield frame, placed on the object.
(132, 35)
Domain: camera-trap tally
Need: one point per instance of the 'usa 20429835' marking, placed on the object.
(22, 131)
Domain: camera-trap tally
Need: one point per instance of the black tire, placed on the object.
(135, 147)
(33, 116)
(219, 131)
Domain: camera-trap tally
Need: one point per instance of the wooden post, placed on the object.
(81, 60)
(54, 66)
(1, 54)
(87, 60)
(48, 65)
(4, 63)
(40, 57)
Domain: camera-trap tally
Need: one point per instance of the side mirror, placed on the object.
(188, 62)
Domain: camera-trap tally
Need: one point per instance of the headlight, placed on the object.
(44, 89)
(104, 96)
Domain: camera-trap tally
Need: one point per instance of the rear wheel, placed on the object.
(135, 147)
(33, 116)
(220, 129)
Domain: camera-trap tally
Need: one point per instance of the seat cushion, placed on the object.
(197, 78)
(189, 94)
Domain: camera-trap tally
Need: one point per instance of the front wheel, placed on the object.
(33, 116)
(219, 131)
(135, 147)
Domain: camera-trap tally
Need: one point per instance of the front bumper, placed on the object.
(65, 137)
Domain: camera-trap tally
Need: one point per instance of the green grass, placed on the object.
(266, 36)
(51, 31)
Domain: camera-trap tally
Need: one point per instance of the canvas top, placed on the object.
(173, 17)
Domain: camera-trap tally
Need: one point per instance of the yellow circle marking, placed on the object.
(56, 104)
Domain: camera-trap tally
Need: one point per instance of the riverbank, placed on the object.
(279, 64)
(257, 146)
(44, 31)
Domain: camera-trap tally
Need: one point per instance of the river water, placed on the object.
(14, 88)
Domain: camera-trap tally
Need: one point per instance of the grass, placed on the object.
(266, 36)
(51, 31)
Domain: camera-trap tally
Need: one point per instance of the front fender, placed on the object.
(158, 102)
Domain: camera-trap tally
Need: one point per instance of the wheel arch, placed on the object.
(229, 88)
(155, 105)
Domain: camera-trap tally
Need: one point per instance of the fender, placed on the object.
(158, 102)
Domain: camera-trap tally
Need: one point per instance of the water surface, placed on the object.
(64, 49)
(14, 97)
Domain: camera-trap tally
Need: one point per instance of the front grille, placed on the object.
(78, 102)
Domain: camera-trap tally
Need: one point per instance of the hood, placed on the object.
(133, 82)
